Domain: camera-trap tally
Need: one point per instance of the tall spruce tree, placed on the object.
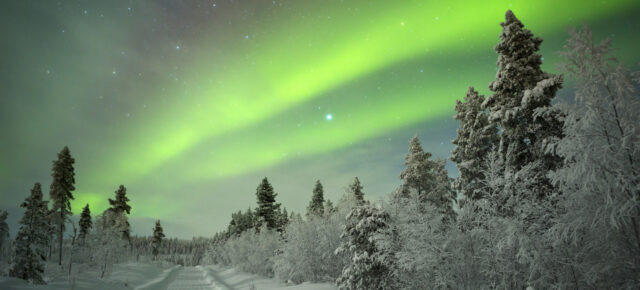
(60, 191)
(355, 188)
(476, 137)
(120, 206)
(267, 206)
(85, 223)
(156, 241)
(427, 178)
(521, 103)
(418, 175)
(32, 239)
(316, 205)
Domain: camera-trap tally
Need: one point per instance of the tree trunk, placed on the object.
(60, 232)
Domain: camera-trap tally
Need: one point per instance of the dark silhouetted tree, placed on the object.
(32, 239)
(85, 223)
(158, 236)
(267, 207)
(355, 188)
(316, 205)
(60, 191)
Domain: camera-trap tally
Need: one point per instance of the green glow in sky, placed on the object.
(160, 96)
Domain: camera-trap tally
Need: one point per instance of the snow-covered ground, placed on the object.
(142, 276)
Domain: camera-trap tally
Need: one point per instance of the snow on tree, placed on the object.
(600, 181)
(316, 205)
(32, 239)
(156, 240)
(355, 188)
(428, 178)
(85, 223)
(120, 205)
(521, 89)
(307, 254)
(476, 137)
(108, 243)
(60, 191)
(370, 267)
(267, 206)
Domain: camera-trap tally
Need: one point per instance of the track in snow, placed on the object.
(193, 278)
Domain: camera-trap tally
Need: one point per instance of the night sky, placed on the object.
(190, 103)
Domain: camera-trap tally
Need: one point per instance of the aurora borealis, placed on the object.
(190, 103)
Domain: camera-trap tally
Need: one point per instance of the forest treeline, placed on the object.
(547, 197)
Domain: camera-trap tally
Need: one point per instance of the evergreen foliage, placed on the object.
(355, 188)
(476, 137)
(371, 267)
(4, 231)
(32, 239)
(85, 223)
(60, 191)
(316, 205)
(120, 206)
(267, 207)
(158, 236)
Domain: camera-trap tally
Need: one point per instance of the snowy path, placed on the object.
(195, 278)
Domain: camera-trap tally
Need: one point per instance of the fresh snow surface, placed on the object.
(142, 276)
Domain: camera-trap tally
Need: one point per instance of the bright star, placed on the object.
(329, 117)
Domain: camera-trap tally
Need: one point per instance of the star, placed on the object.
(329, 117)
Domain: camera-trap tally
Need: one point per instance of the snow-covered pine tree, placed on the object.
(371, 267)
(156, 241)
(427, 178)
(316, 205)
(120, 205)
(267, 206)
(60, 191)
(476, 137)
(4, 232)
(520, 90)
(85, 223)
(418, 175)
(355, 189)
(600, 180)
(32, 239)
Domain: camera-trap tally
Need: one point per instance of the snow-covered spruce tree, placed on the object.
(60, 191)
(316, 205)
(355, 188)
(519, 90)
(476, 137)
(120, 205)
(85, 223)
(267, 206)
(32, 239)
(4, 233)
(600, 181)
(371, 267)
(156, 241)
(428, 179)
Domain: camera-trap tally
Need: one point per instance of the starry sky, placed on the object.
(190, 103)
